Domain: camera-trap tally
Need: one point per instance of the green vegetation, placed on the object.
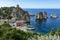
(8, 33)
(6, 12)
(58, 31)
(52, 32)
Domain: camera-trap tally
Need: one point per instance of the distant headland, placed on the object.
(14, 12)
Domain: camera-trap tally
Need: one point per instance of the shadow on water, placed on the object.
(41, 26)
(44, 20)
(40, 21)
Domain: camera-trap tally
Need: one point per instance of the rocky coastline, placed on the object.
(20, 14)
(17, 13)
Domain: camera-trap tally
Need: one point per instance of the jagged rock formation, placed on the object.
(20, 14)
(45, 15)
(26, 16)
(41, 16)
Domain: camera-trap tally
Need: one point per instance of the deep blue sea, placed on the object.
(44, 26)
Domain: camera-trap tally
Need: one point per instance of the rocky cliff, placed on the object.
(14, 12)
(20, 14)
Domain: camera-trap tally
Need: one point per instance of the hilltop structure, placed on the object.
(20, 14)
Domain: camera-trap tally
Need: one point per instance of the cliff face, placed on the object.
(20, 14)
(15, 12)
(27, 17)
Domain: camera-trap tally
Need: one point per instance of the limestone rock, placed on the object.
(39, 16)
(45, 15)
(20, 14)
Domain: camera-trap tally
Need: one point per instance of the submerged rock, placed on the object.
(31, 14)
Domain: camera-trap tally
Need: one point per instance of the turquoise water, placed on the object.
(44, 26)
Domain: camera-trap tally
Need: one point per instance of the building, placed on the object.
(17, 23)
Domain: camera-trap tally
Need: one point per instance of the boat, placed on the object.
(30, 28)
(54, 16)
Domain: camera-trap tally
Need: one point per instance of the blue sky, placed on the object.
(31, 3)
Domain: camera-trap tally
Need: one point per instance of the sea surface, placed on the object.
(44, 26)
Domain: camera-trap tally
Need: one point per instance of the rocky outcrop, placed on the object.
(41, 16)
(31, 14)
(20, 14)
(26, 16)
(45, 15)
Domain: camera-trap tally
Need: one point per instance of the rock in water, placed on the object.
(45, 15)
(39, 16)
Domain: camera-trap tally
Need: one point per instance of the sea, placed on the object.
(44, 27)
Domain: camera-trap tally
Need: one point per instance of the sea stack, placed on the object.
(39, 16)
(45, 15)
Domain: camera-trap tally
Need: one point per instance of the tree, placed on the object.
(58, 31)
(9, 17)
(52, 32)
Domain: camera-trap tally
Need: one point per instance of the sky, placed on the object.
(31, 3)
